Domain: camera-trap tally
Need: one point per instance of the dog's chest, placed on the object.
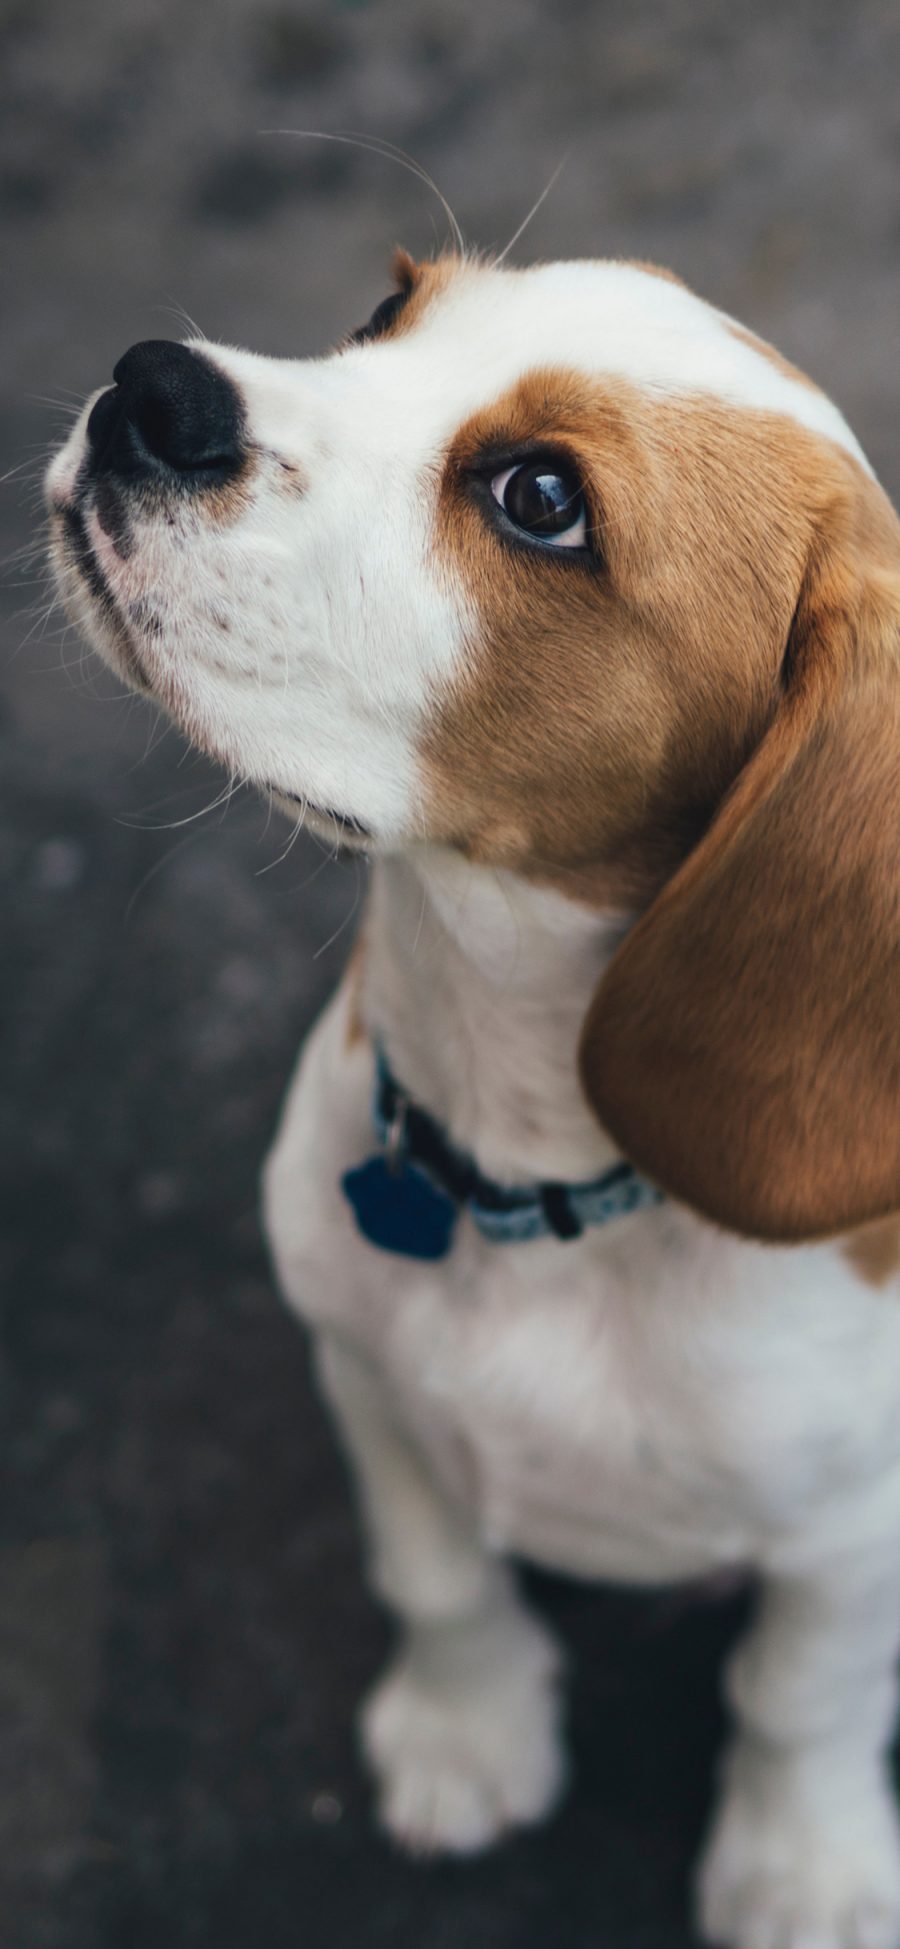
(532, 1394)
(580, 1421)
(591, 1427)
(650, 1401)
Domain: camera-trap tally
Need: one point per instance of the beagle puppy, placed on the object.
(578, 608)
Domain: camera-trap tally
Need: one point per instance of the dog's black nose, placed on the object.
(170, 415)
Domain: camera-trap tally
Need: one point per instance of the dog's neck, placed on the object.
(478, 984)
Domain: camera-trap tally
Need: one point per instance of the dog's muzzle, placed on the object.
(171, 419)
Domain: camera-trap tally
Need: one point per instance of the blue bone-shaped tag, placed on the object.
(399, 1209)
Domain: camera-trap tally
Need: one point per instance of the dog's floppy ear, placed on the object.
(744, 1045)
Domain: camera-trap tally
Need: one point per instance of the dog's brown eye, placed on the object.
(382, 318)
(545, 499)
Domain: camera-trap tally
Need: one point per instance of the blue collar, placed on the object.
(409, 1197)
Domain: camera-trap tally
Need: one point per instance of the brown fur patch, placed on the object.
(874, 1252)
(221, 506)
(739, 629)
(744, 1045)
(290, 479)
(421, 285)
(404, 269)
(429, 280)
(612, 702)
(655, 270)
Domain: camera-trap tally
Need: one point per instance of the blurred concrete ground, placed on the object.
(183, 1630)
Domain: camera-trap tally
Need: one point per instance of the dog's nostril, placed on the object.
(170, 413)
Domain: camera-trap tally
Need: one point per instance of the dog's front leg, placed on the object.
(804, 1848)
(462, 1730)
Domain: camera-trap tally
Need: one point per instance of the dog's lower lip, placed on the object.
(81, 553)
(345, 820)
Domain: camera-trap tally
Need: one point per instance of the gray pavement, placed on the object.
(183, 1629)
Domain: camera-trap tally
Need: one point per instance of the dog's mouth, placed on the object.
(324, 818)
(81, 557)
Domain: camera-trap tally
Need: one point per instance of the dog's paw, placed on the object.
(802, 1865)
(463, 1736)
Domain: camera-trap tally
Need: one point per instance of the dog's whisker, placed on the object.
(536, 205)
(39, 625)
(294, 835)
(172, 825)
(65, 408)
(174, 309)
(348, 917)
(389, 151)
(31, 554)
(29, 472)
(154, 870)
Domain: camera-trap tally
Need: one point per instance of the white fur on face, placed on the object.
(305, 638)
(296, 640)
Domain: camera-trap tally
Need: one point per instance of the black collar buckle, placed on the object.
(556, 1204)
